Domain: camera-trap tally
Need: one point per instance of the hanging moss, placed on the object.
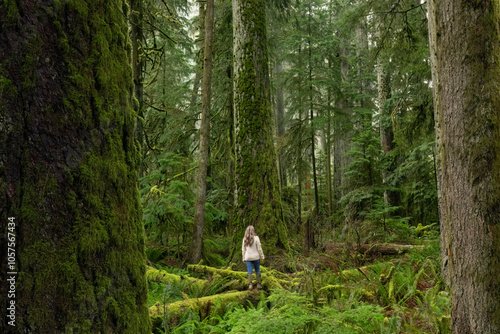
(69, 171)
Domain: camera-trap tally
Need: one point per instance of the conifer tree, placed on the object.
(257, 196)
(69, 169)
(467, 108)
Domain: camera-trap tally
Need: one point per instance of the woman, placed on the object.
(252, 253)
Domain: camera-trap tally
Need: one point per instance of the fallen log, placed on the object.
(161, 276)
(271, 279)
(170, 313)
(382, 249)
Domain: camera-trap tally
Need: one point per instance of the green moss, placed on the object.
(331, 292)
(81, 255)
(210, 305)
(161, 276)
(11, 10)
(256, 171)
(7, 89)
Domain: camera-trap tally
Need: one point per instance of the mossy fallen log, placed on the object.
(161, 276)
(271, 279)
(371, 249)
(203, 306)
(370, 272)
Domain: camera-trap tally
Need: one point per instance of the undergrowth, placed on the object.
(402, 295)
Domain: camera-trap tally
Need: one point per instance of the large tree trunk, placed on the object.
(465, 57)
(68, 170)
(199, 213)
(256, 177)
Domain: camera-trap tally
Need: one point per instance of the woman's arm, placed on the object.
(259, 248)
(243, 248)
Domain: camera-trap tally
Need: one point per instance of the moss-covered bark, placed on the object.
(68, 169)
(465, 53)
(257, 196)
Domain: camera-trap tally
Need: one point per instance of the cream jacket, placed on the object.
(253, 252)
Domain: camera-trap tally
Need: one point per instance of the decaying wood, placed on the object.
(270, 279)
(161, 276)
(382, 249)
(204, 306)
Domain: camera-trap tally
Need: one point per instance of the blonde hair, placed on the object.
(249, 236)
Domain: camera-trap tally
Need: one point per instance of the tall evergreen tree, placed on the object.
(69, 169)
(467, 108)
(199, 213)
(257, 196)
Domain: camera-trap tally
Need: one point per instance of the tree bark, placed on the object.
(342, 132)
(256, 178)
(465, 54)
(309, 230)
(199, 214)
(280, 122)
(68, 166)
(137, 38)
(391, 197)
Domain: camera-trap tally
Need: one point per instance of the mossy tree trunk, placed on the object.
(391, 197)
(342, 130)
(465, 54)
(199, 214)
(280, 122)
(257, 196)
(137, 40)
(68, 169)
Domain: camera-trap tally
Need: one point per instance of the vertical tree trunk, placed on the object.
(328, 151)
(465, 55)
(199, 213)
(309, 228)
(199, 58)
(68, 170)
(299, 162)
(391, 197)
(256, 177)
(137, 38)
(280, 121)
(342, 133)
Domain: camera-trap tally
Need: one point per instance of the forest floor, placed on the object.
(376, 288)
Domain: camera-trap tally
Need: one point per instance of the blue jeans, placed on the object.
(253, 264)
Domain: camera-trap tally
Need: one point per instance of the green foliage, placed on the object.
(167, 200)
(288, 312)
(404, 295)
(417, 174)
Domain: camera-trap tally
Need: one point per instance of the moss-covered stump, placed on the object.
(204, 306)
